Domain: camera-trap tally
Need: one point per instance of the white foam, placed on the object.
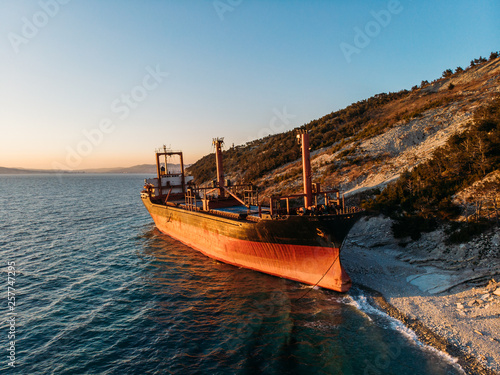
(363, 305)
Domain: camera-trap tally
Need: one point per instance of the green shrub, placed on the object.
(464, 232)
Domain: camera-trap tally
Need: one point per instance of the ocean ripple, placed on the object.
(99, 290)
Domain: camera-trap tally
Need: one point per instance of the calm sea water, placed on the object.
(99, 290)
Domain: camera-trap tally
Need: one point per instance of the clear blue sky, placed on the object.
(92, 83)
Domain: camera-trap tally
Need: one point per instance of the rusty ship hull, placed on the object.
(300, 248)
(229, 223)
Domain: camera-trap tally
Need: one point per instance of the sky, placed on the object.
(102, 83)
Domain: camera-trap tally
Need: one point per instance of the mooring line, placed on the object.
(331, 265)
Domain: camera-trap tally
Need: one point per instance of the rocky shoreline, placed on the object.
(449, 295)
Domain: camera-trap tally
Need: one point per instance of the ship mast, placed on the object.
(218, 142)
(303, 137)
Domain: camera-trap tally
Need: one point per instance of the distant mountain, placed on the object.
(142, 168)
(4, 170)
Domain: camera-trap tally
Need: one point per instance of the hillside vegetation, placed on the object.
(427, 192)
(432, 142)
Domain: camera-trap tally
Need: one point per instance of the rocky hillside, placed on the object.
(370, 143)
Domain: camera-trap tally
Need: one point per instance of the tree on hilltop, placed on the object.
(447, 73)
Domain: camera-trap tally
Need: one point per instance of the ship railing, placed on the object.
(314, 211)
(323, 203)
(246, 194)
(251, 197)
(190, 200)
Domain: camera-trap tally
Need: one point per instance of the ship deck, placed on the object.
(252, 212)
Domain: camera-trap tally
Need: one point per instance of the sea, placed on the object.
(88, 285)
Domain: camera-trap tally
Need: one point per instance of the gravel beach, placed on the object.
(451, 303)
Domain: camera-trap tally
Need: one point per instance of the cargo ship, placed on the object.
(297, 237)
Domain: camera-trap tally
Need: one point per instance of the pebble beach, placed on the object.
(454, 309)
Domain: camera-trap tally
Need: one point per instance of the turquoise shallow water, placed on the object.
(99, 290)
